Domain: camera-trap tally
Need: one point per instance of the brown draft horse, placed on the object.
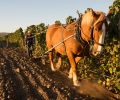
(91, 28)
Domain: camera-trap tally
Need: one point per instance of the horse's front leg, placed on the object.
(51, 60)
(77, 59)
(73, 69)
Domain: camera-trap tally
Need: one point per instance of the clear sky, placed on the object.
(23, 13)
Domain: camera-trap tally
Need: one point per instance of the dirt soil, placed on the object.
(23, 78)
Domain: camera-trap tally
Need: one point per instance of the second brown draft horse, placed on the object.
(88, 28)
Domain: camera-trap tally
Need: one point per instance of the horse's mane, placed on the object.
(71, 25)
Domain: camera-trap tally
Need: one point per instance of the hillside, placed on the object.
(3, 34)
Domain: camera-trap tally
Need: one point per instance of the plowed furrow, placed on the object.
(11, 85)
(40, 76)
(15, 85)
(36, 79)
(24, 79)
(1, 78)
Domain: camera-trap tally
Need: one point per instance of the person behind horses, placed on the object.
(30, 40)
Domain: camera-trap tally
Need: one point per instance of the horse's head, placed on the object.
(94, 29)
(98, 39)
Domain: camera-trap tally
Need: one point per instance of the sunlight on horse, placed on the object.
(88, 28)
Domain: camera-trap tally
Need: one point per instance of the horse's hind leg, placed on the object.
(59, 61)
(51, 60)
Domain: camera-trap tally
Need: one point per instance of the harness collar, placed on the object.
(79, 38)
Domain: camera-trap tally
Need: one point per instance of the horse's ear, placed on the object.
(89, 9)
(79, 14)
(93, 12)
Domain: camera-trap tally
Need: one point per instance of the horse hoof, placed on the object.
(53, 69)
(77, 83)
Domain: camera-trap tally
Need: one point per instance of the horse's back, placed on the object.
(50, 32)
(54, 36)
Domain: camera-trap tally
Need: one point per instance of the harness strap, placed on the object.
(59, 43)
(99, 43)
(79, 37)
